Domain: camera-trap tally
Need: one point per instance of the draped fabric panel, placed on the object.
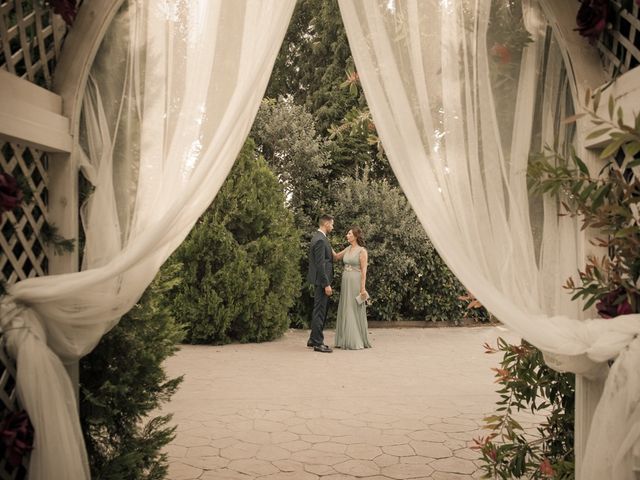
(458, 133)
(171, 98)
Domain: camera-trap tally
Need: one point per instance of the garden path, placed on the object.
(408, 408)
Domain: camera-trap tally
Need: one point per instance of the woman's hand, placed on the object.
(363, 293)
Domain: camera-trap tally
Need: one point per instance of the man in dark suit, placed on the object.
(320, 275)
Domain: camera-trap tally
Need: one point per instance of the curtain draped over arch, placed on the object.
(171, 98)
(458, 135)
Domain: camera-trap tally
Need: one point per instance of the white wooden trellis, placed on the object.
(30, 44)
(620, 44)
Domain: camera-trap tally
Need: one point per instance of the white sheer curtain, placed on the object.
(459, 145)
(173, 94)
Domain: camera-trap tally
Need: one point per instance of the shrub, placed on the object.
(122, 382)
(407, 278)
(240, 273)
(528, 384)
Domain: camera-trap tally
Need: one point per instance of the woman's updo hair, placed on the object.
(357, 232)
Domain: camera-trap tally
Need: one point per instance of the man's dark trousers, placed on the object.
(320, 275)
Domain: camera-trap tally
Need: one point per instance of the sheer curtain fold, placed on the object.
(458, 133)
(172, 95)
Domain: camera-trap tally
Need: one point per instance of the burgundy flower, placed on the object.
(614, 303)
(592, 18)
(67, 9)
(16, 435)
(10, 193)
(624, 308)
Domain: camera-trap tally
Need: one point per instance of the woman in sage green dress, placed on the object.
(351, 327)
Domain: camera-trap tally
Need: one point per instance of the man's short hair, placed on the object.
(324, 218)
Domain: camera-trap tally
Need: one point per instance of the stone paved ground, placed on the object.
(407, 408)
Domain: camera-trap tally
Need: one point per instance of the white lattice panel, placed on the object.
(620, 44)
(31, 40)
(23, 252)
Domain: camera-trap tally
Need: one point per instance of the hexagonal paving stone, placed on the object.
(217, 433)
(385, 460)
(175, 450)
(269, 426)
(358, 468)
(272, 453)
(318, 457)
(206, 463)
(240, 450)
(363, 451)
(429, 436)
(430, 449)
(460, 421)
(465, 436)
(416, 460)
(253, 466)
(300, 429)
(450, 427)
(388, 440)
(295, 446)
(180, 471)
(189, 441)
(288, 465)
(253, 436)
(320, 469)
(283, 437)
(278, 415)
(339, 476)
(402, 471)
(454, 465)
(449, 476)
(241, 426)
(223, 442)
(403, 450)
(223, 474)
(290, 476)
(332, 428)
(467, 453)
(314, 438)
(205, 451)
(330, 447)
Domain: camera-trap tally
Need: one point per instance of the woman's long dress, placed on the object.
(351, 327)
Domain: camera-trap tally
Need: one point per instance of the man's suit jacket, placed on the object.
(320, 261)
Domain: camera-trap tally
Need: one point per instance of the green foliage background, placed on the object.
(406, 278)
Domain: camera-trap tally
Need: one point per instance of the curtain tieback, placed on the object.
(18, 320)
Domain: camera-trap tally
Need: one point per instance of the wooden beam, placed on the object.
(31, 115)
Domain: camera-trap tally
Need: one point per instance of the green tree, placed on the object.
(407, 278)
(240, 273)
(285, 135)
(312, 67)
(122, 381)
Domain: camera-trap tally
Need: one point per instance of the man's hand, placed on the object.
(327, 291)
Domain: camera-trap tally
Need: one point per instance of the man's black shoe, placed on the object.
(310, 344)
(322, 348)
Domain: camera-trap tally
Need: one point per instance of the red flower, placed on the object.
(10, 193)
(546, 469)
(500, 51)
(592, 18)
(67, 9)
(16, 436)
